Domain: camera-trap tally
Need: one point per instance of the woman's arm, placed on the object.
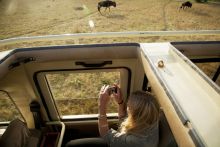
(104, 98)
(121, 104)
(102, 118)
(122, 111)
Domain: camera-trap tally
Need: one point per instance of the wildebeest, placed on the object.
(106, 4)
(186, 4)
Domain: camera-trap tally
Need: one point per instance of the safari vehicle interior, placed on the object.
(54, 89)
(56, 54)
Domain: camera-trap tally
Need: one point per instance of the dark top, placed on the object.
(149, 138)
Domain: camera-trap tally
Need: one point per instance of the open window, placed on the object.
(8, 109)
(211, 69)
(74, 93)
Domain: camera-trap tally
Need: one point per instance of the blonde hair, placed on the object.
(143, 112)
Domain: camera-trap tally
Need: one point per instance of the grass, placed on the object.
(209, 69)
(43, 17)
(77, 93)
(8, 111)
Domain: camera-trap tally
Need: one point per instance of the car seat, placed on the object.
(17, 134)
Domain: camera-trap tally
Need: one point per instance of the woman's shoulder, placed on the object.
(153, 129)
(149, 138)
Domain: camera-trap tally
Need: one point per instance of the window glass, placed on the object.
(210, 69)
(8, 110)
(77, 93)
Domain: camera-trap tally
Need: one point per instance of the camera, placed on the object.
(112, 90)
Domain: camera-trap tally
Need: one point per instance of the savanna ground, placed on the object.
(47, 17)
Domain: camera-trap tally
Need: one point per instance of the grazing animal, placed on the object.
(106, 4)
(187, 4)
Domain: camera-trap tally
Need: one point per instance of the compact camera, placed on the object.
(112, 90)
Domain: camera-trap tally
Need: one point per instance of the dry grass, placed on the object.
(77, 93)
(209, 69)
(7, 109)
(45, 17)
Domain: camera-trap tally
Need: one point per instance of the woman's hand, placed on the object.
(104, 97)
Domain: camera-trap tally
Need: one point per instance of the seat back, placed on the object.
(166, 138)
(87, 142)
(17, 134)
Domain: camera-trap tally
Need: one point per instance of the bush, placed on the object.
(201, 1)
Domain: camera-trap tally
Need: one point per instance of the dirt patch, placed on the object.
(78, 8)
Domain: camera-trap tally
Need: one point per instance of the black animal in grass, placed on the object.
(186, 4)
(106, 4)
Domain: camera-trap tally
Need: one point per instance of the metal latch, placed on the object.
(19, 61)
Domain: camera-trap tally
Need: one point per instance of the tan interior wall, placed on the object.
(19, 88)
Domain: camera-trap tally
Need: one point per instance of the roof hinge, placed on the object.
(20, 61)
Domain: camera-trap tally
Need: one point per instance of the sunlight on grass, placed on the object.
(77, 93)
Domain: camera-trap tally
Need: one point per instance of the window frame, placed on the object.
(45, 93)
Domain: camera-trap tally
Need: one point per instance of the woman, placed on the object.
(140, 128)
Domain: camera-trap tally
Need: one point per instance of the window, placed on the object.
(210, 69)
(8, 110)
(76, 93)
